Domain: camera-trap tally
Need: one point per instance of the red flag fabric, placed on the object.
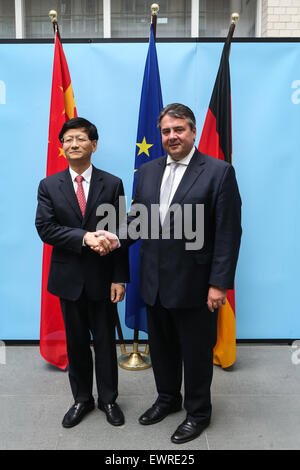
(216, 141)
(62, 107)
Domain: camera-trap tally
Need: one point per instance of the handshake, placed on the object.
(102, 242)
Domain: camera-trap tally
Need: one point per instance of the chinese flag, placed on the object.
(216, 141)
(62, 108)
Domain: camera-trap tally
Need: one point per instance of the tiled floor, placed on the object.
(256, 405)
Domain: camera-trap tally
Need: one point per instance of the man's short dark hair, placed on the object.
(77, 122)
(180, 111)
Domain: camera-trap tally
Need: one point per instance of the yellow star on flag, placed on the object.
(144, 147)
(61, 152)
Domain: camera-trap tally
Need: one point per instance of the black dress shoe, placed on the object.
(187, 431)
(156, 413)
(114, 414)
(76, 413)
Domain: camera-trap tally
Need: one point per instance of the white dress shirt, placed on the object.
(179, 171)
(87, 174)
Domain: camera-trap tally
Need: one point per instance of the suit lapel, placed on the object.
(161, 165)
(191, 174)
(68, 190)
(193, 171)
(96, 187)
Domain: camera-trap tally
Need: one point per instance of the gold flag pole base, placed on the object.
(135, 360)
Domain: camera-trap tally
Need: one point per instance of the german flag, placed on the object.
(62, 108)
(216, 141)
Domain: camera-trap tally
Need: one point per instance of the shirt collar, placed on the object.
(86, 174)
(185, 160)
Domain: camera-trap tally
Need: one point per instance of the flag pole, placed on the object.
(137, 360)
(216, 141)
(234, 18)
(154, 10)
(53, 16)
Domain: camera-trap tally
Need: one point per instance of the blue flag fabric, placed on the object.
(148, 147)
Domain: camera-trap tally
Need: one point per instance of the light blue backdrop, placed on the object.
(107, 79)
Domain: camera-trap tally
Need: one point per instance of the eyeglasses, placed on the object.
(80, 139)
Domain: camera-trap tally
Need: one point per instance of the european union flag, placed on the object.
(148, 147)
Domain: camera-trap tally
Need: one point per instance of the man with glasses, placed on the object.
(89, 286)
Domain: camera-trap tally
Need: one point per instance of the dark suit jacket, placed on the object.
(182, 277)
(59, 223)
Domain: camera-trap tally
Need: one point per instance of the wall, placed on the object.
(280, 18)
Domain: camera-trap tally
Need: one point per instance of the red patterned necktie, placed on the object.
(80, 194)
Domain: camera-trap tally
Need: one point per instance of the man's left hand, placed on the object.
(216, 297)
(117, 292)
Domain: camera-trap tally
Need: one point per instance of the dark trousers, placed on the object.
(83, 318)
(183, 339)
